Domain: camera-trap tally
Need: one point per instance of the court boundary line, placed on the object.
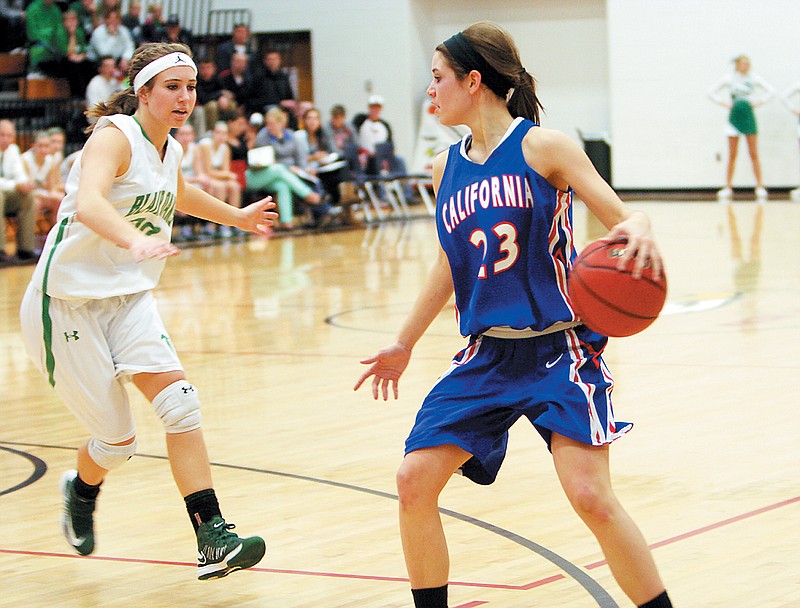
(552, 557)
(592, 587)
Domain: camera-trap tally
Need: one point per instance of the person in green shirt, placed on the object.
(62, 53)
(42, 21)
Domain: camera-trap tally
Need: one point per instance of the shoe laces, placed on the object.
(217, 533)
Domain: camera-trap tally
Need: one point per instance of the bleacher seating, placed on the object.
(13, 73)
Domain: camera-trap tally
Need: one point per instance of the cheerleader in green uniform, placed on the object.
(791, 97)
(738, 93)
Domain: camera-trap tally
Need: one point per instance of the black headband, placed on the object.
(470, 59)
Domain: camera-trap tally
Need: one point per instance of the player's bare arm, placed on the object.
(388, 364)
(561, 161)
(106, 156)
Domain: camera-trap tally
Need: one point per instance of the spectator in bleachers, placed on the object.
(152, 28)
(254, 124)
(16, 197)
(215, 162)
(209, 86)
(59, 47)
(112, 39)
(322, 160)
(133, 21)
(343, 137)
(373, 131)
(43, 169)
(271, 87)
(173, 32)
(240, 139)
(88, 16)
(238, 80)
(104, 84)
(58, 141)
(279, 177)
(240, 42)
(72, 44)
(213, 102)
(191, 165)
(42, 22)
(289, 150)
(189, 227)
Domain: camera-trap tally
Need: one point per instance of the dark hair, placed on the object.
(497, 48)
(126, 101)
(320, 134)
(338, 110)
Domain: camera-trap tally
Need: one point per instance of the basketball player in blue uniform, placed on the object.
(89, 319)
(504, 195)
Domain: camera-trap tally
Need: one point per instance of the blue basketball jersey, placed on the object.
(507, 234)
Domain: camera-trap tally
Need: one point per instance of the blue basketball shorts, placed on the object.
(558, 381)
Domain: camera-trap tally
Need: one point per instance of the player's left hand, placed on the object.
(641, 246)
(259, 216)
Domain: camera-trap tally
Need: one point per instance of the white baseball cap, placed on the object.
(375, 100)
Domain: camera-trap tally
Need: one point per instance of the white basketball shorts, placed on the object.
(89, 349)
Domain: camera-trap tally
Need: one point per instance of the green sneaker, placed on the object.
(77, 522)
(220, 551)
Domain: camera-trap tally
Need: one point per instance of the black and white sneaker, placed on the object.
(220, 551)
(77, 521)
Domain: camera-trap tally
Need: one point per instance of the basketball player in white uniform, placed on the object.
(89, 319)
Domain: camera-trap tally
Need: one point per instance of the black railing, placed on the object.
(200, 16)
(32, 115)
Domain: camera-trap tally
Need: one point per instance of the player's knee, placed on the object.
(178, 406)
(591, 503)
(111, 456)
(411, 490)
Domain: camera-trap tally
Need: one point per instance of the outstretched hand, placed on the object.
(388, 364)
(258, 216)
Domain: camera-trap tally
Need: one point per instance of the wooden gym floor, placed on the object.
(271, 331)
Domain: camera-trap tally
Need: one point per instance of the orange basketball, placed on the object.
(610, 301)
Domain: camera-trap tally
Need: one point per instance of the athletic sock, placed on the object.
(202, 506)
(432, 597)
(660, 601)
(84, 490)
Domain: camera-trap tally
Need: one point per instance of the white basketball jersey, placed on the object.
(76, 262)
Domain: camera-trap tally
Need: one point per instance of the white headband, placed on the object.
(152, 69)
